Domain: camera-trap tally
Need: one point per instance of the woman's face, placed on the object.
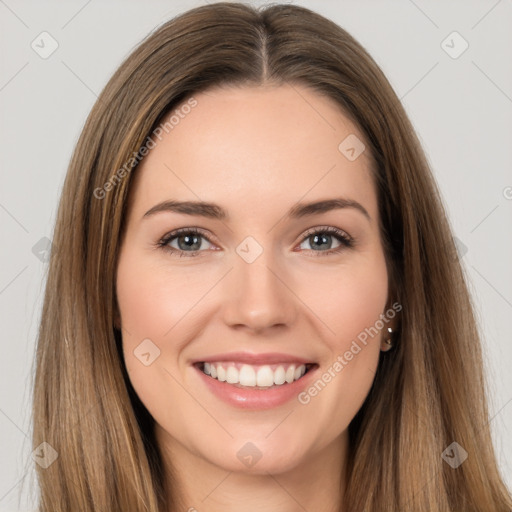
(265, 285)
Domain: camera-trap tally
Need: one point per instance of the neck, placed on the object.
(197, 485)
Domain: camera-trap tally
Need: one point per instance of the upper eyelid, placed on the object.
(328, 229)
(335, 231)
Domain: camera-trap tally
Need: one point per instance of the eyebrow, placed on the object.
(214, 211)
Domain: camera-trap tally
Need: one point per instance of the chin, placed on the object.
(250, 458)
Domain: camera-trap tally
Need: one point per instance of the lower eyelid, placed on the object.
(344, 240)
(168, 240)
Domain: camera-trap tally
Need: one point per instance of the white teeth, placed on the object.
(247, 376)
(251, 376)
(221, 373)
(290, 374)
(265, 376)
(280, 376)
(232, 375)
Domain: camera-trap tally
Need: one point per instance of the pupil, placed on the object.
(190, 241)
(323, 238)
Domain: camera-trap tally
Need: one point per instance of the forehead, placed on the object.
(249, 147)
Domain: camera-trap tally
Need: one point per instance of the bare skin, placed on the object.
(256, 152)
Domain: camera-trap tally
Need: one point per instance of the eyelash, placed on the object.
(346, 242)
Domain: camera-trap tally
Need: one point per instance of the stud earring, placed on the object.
(388, 342)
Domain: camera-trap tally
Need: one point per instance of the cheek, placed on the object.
(151, 302)
(352, 309)
(152, 299)
(159, 317)
(360, 303)
(349, 300)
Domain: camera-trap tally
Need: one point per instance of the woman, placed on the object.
(257, 370)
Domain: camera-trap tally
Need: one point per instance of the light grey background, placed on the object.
(461, 108)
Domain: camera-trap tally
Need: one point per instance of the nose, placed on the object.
(258, 296)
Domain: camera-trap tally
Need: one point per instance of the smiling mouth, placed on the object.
(244, 375)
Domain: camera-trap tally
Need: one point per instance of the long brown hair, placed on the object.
(428, 391)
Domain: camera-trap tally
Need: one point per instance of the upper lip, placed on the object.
(255, 359)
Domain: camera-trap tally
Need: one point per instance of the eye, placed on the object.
(189, 241)
(185, 240)
(321, 238)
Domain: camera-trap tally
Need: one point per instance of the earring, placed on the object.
(388, 342)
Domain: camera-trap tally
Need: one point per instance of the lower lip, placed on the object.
(250, 398)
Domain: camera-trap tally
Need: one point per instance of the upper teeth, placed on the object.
(249, 375)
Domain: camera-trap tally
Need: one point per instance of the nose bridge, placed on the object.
(258, 296)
